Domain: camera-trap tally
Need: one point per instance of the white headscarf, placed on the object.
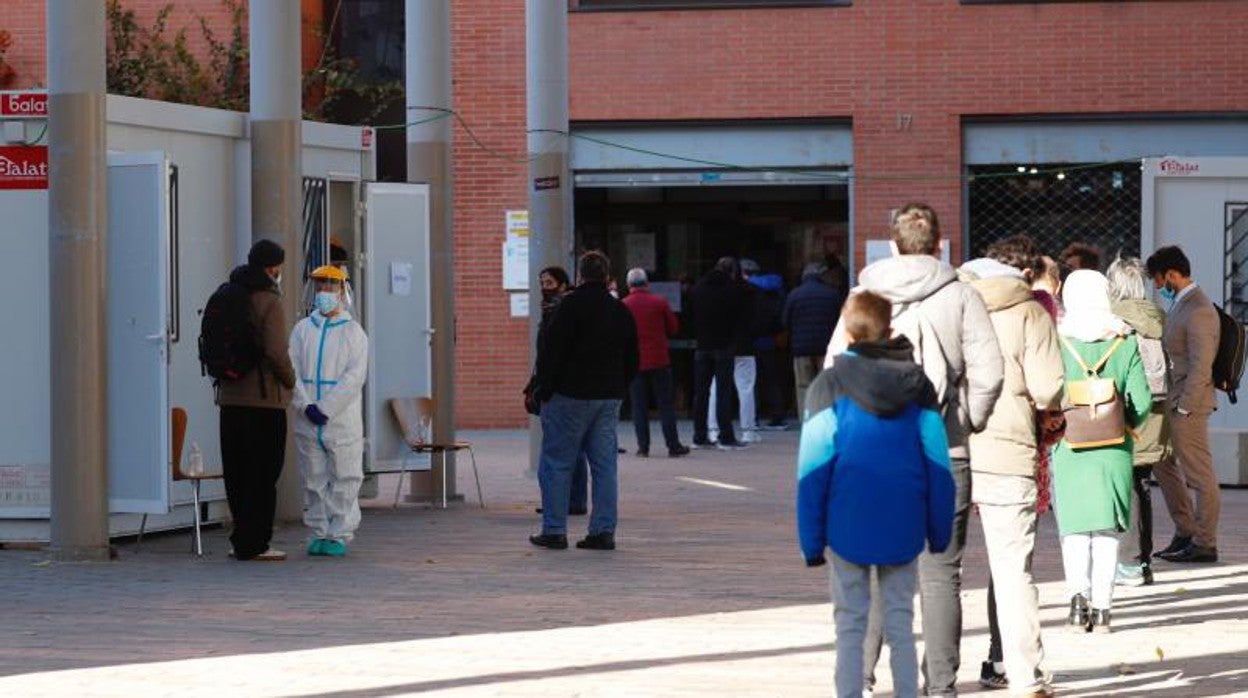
(1088, 317)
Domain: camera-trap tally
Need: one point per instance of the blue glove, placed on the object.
(315, 415)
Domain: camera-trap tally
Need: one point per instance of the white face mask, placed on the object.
(277, 280)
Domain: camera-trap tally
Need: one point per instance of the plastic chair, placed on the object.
(413, 412)
(179, 440)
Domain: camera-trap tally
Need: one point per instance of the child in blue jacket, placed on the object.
(874, 485)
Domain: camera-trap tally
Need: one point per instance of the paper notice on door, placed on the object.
(401, 278)
(516, 264)
(520, 304)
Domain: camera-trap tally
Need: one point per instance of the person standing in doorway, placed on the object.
(768, 306)
(744, 365)
(330, 353)
(655, 323)
(1191, 341)
(810, 313)
(253, 409)
(587, 358)
(720, 319)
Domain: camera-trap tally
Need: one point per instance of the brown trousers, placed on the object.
(805, 370)
(1191, 467)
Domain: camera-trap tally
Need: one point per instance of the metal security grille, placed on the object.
(1056, 205)
(1236, 261)
(315, 241)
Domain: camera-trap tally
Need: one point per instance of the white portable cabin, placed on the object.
(1199, 204)
(179, 221)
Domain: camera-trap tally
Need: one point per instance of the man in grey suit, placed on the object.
(1191, 341)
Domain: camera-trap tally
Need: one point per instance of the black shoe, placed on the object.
(1079, 618)
(1146, 571)
(538, 510)
(1177, 544)
(550, 540)
(577, 511)
(597, 541)
(702, 443)
(731, 445)
(990, 679)
(643, 453)
(621, 450)
(680, 450)
(1192, 553)
(1099, 621)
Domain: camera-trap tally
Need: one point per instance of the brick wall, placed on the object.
(905, 72)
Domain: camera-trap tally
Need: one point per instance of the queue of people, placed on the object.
(1071, 390)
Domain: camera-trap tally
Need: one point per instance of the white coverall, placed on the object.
(330, 356)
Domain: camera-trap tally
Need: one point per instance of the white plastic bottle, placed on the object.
(195, 460)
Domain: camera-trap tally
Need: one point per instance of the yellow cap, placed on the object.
(328, 273)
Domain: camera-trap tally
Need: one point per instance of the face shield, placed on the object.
(325, 281)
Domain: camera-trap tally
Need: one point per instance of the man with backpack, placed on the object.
(243, 346)
(947, 323)
(1191, 340)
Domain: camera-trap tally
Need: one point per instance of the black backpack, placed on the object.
(1228, 363)
(228, 346)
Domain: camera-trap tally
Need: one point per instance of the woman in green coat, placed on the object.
(1092, 486)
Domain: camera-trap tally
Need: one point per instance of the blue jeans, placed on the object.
(660, 381)
(571, 427)
(579, 498)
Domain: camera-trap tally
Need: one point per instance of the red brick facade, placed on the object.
(905, 72)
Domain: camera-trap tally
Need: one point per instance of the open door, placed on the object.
(397, 314)
(139, 326)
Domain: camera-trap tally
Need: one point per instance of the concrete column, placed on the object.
(78, 286)
(427, 79)
(550, 185)
(277, 172)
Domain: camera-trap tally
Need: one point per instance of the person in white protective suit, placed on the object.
(329, 351)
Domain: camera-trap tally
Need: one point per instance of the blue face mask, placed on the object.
(326, 302)
(1168, 294)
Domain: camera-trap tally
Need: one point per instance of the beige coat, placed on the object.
(1191, 341)
(920, 286)
(270, 384)
(1033, 377)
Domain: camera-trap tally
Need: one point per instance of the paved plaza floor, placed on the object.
(706, 596)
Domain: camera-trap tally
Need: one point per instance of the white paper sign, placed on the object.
(520, 305)
(883, 249)
(401, 278)
(517, 223)
(669, 290)
(516, 264)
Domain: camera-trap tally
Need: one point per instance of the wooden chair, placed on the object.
(179, 440)
(415, 418)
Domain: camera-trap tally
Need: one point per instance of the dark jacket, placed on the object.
(810, 314)
(873, 464)
(768, 307)
(720, 310)
(589, 349)
(270, 384)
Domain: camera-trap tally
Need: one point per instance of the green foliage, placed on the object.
(147, 62)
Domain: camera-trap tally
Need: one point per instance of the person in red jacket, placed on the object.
(655, 323)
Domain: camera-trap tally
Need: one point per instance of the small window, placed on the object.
(615, 5)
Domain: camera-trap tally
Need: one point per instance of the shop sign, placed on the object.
(24, 105)
(24, 167)
(1171, 166)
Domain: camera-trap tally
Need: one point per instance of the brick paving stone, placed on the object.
(706, 595)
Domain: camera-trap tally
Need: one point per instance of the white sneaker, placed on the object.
(1129, 575)
(751, 437)
(271, 555)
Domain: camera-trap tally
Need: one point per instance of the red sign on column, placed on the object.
(24, 167)
(24, 105)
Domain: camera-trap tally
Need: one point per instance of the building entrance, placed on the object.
(678, 232)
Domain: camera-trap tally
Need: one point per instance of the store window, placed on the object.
(1056, 204)
(694, 4)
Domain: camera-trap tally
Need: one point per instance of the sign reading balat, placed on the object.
(23, 105)
(24, 167)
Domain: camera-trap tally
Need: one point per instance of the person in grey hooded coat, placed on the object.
(948, 324)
